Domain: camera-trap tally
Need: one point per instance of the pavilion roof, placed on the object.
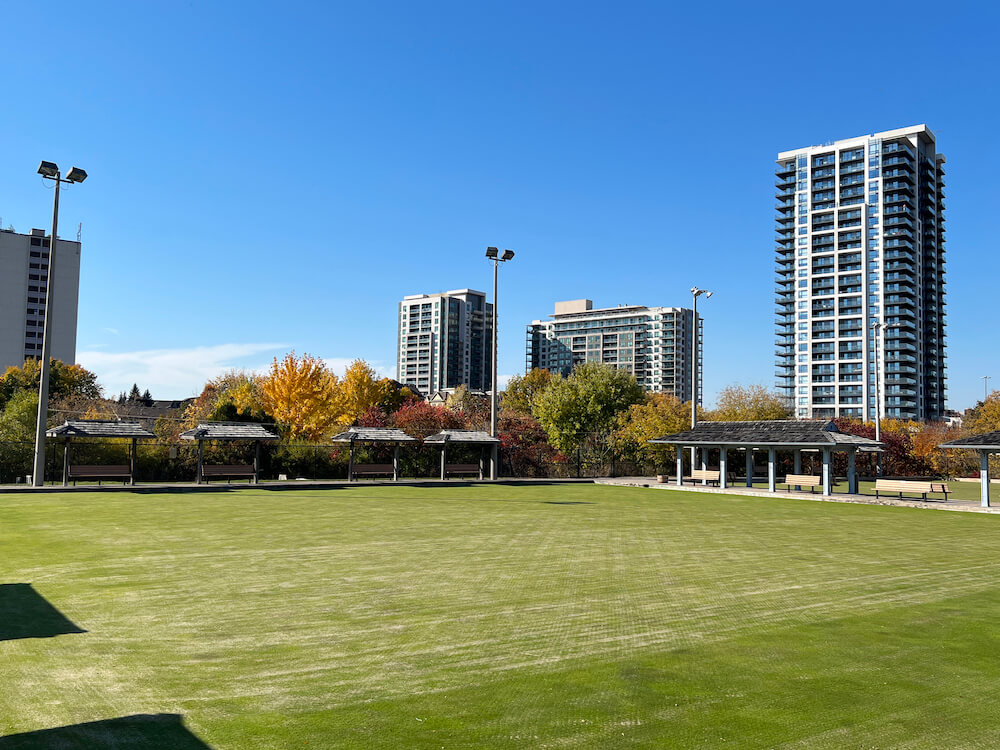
(792, 433)
(462, 436)
(99, 428)
(229, 431)
(373, 435)
(983, 441)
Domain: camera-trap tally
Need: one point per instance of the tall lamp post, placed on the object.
(986, 387)
(878, 331)
(493, 254)
(49, 171)
(695, 294)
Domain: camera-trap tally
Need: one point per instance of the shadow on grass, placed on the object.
(160, 731)
(566, 502)
(24, 613)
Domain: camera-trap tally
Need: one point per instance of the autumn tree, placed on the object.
(302, 395)
(984, 416)
(524, 444)
(523, 391)
(739, 403)
(661, 414)
(64, 380)
(360, 390)
(419, 419)
(585, 404)
(946, 463)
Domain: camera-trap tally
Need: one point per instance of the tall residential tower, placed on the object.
(444, 341)
(24, 271)
(860, 265)
(653, 343)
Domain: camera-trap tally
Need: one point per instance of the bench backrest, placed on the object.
(939, 487)
(704, 474)
(97, 471)
(903, 485)
(806, 479)
(226, 469)
(373, 468)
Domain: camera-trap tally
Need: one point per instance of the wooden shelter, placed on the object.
(464, 437)
(375, 436)
(99, 428)
(794, 435)
(229, 432)
(984, 444)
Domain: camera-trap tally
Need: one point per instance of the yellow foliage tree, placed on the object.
(661, 414)
(303, 395)
(360, 390)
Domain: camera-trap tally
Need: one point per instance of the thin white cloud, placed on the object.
(172, 373)
(502, 380)
(114, 331)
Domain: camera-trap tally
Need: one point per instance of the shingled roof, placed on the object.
(779, 432)
(99, 428)
(987, 440)
(373, 435)
(461, 436)
(229, 431)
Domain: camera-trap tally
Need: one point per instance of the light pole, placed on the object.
(493, 254)
(695, 294)
(986, 387)
(49, 171)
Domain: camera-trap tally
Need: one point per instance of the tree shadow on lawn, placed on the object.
(24, 613)
(160, 731)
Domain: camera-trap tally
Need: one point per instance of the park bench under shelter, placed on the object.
(229, 432)
(106, 429)
(795, 435)
(374, 436)
(984, 444)
(464, 437)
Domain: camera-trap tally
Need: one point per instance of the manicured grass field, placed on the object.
(495, 616)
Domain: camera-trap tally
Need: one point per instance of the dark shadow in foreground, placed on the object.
(566, 502)
(137, 732)
(24, 613)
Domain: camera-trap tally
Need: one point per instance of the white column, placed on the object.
(797, 469)
(984, 478)
(827, 470)
(704, 463)
(770, 470)
(722, 468)
(680, 466)
(852, 473)
(749, 466)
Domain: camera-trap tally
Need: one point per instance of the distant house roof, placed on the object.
(373, 435)
(790, 433)
(985, 441)
(229, 431)
(461, 436)
(99, 428)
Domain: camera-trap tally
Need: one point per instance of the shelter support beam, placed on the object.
(704, 463)
(723, 481)
(494, 457)
(749, 467)
(771, 460)
(350, 462)
(395, 462)
(201, 460)
(256, 461)
(680, 466)
(444, 460)
(131, 463)
(797, 457)
(827, 471)
(66, 463)
(852, 472)
(984, 478)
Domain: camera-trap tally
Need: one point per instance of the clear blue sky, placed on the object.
(273, 175)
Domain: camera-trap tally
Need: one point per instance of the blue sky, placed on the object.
(275, 176)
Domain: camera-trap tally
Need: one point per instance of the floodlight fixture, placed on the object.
(76, 175)
(507, 255)
(48, 169)
(492, 252)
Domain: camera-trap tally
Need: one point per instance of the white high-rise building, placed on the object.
(860, 277)
(653, 343)
(445, 341)
(24, 271)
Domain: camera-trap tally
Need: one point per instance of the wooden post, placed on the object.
(131, 463)
(827, 471)
(395, 463)
(66, 462)
(723, 481)
(201, 457)
(771, 456)
(984, 478)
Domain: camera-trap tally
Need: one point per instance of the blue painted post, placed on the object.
(771, 480)
(722, 468)
(827, 470)
(984, 478)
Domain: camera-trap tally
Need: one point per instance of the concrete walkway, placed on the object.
(968, 506)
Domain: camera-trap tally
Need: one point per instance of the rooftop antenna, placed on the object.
(79, 231)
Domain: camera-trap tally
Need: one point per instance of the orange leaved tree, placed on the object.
(303, 396)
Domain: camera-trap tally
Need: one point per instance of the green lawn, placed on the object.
(561, 616)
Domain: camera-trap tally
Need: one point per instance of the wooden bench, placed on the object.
(899, 486)
(372, 470)
(228, 471)
(802, 480)
(708, 475)
(462, 469)
(122, 472)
